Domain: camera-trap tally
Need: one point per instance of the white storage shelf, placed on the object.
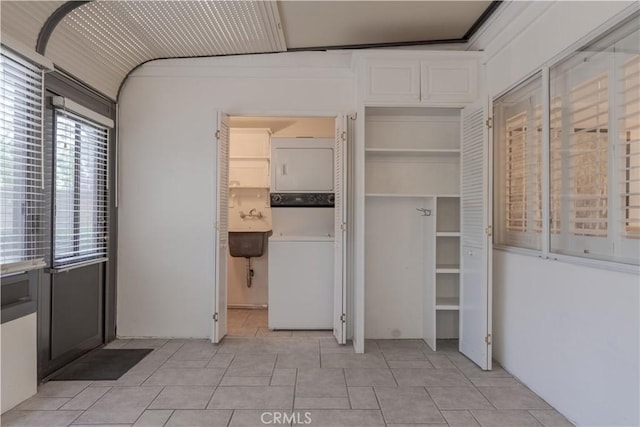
(412, 161)
(447, 303)
(249, 173)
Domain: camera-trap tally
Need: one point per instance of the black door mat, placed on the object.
(103, 364)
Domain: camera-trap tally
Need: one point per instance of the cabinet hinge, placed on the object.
(343, 317)
(215, 317)
(343, 136)
(489, 122)
(487, 339)
(218, 134)
(343, 226)
(216, 226)
(489, 230)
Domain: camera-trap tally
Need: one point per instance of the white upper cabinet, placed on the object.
(393, 80)
(449, 80)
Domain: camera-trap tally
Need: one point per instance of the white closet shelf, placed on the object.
(447, 234)
(406, 195)
(249, 187)
(449, 303)
(248, 158)
(439, 152)
(447, 268)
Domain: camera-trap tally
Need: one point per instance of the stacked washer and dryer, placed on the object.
(301, 248)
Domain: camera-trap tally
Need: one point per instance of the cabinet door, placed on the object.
(304, 169)
(393, 81)
(219, 329)
(449, 82)
(475, 268)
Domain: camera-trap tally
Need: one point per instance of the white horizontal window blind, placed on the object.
(518, 166)
(81, 199)
(21, 191)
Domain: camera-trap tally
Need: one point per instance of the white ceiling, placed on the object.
(102, 41)
(340, 23)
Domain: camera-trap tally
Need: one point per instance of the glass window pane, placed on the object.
(594, 95)
(518, 166)
(81, 192)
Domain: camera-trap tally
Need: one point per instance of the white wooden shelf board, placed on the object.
(413, 152)
(447, 234)
(248, 158)
(450, 303)
(405, 195)
(447, 268)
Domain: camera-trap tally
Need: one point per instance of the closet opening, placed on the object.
(283, 211)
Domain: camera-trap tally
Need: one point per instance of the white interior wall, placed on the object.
(167, 172)
(18, 360)
(570, 332)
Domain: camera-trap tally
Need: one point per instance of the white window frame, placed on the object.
(528, 235)
(618, 264)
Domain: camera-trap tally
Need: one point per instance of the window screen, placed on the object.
(595, 151)
(81, 201)
(21, 194)
(518, 166)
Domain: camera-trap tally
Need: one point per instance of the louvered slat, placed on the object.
(472, 194)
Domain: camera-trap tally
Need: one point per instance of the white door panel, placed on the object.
(475, 283)
(340, 221)
(222, 230)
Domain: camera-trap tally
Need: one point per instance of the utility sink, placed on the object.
(247, 244)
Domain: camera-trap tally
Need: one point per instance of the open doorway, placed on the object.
(281, 269)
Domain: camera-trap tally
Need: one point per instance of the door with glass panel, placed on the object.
(78, 162)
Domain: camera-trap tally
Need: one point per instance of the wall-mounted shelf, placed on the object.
(249, 158)
(407, 195)
(447, 234)
(447, 303)
(249, 187)
(448, 268)
(434, 152)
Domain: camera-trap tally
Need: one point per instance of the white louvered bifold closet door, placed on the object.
(22, 240)
(475, 294)
(340, 222)
(222, 229)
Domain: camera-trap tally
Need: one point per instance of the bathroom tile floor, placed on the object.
(252, 379)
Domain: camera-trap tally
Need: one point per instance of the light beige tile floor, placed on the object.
(255, 375)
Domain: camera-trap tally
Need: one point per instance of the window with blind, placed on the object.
(80, 195)
(518, 166)
(21, 191)
(595, 151)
